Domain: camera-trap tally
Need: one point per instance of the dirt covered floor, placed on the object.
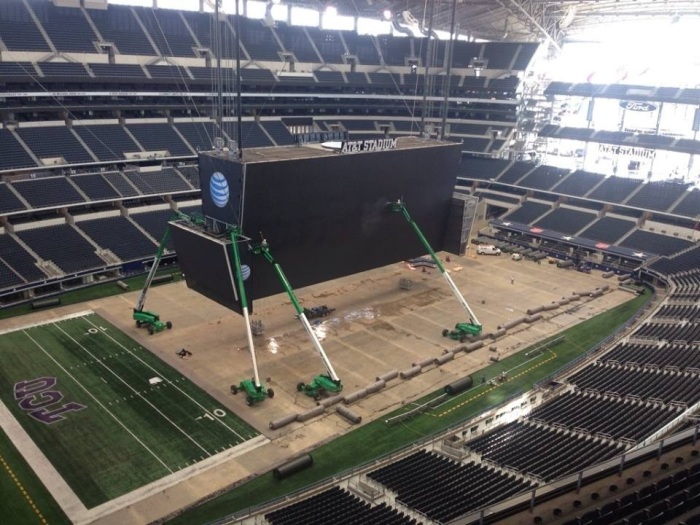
(376, 327)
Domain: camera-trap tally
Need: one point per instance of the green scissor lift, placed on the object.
(461, 330)
(321, 384)
(151, 320)
(254, 389)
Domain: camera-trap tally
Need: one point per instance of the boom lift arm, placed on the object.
(144, 317)
(473, 327)
(254, 389)
(320, 384)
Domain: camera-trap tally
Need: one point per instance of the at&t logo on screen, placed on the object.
(218, 188)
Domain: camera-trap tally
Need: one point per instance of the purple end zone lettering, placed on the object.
(49, 417)
(32, 386)
(35, 398)
(40, 399)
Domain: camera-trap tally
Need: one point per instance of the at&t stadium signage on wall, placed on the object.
(631, 105)
(356, 146)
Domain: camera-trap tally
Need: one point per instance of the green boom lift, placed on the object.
(151, 320)
(321, 384)
(461, 330)
(255, 391)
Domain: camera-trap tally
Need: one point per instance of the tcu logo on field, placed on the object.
(34, 397)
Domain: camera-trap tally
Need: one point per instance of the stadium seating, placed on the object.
(68, 250)
(46, 192)
(543, 177)
(63, 69)
(540, 450)
(108, 142)
(119, 183)
(278, 131)
(200, 135)
(159, 137)
(443, 489)
(297, 42)
(657, 195)
(565, 220)
(481, 168)
(129, 245)
(155, 223)
(340, 507)
(654, 243)
(168, 31)
(55, 19)
(689, 204)
(8, 200)
(528, 212)
(165, 180)
(118, 24)
(664, 385)
(615, 189)
(662, 501)
(254, 136)
(682, 262)
(515, 172)
(95, 187)
(579, 183)
(613, 416)
(54, 142)
(362, 47)
(8, 278)
(329, 45)
(14, 155)
(191, 175)
(118, 71)
(660, 355)
(329, 77)
(259, 41)
(19, 260)
(608, 229)
(18, 30)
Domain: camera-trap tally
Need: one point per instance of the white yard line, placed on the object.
(47, 321)
(97, 401)
(101, 363)
(167, 381)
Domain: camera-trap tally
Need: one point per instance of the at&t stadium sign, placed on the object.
(630, 151)
(356, 146)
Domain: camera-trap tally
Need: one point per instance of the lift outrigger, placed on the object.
(461, 330)
(321, 384)
(254, 389)
(151, 320)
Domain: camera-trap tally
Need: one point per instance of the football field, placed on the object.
(108, 414)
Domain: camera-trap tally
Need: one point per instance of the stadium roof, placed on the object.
(516, 19)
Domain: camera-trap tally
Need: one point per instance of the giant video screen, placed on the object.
(207, 265)
(327, 217)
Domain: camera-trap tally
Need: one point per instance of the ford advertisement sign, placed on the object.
(631, 105)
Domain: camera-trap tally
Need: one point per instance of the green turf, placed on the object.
(131, 432)
(377, 439)
(90, 293)
(20, 488)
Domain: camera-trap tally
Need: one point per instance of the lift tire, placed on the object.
(138, 324)
(462, 338)
(169, 325)
(234, 389)
(300, 386)
(270, 393)
(151, 329)
(249, 401)
(318, 396)
(445, 332)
